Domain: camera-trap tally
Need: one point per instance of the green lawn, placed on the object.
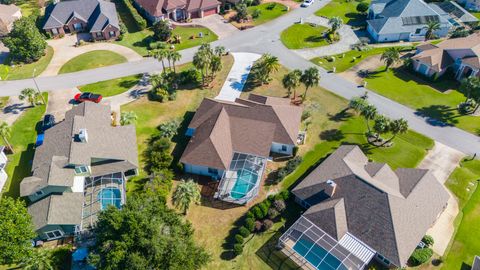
(476, 14)
(434, 100)
(463, 183)
(268, 12)
(346, 60)
(345, 9)
(23, 135)
(24, 71)
(299, 36)
(111, 87)
(91, 60)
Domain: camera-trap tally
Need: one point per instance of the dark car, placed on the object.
(87, 96)
(48, 122)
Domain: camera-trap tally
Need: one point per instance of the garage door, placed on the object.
(210, 12)
(195, 14)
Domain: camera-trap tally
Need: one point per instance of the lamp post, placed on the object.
(36, 85)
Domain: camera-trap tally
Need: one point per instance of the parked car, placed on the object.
(48, 122)
(87, 96)
(307, 3)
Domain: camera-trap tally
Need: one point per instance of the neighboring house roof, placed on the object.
(65, 209)
(388, 210)
(156, 7)
(62, 148)
(402, 16)
(98, 14)
(246, 126)
(438, 56)
(8, 12)
(453, 10)
(476, 263)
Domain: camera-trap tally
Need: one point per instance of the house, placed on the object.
(459, 55)
(177, 10)
(81, 168)
(476, 263)
(3, 164)
(406, 20)
(473, 5)
(232, 141)
(97, 17)
(358, 210)
(8, 14)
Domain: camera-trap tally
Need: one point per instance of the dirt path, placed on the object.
(370, 63)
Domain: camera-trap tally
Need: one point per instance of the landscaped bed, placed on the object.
(268, 12)
(299, 36)
(345, 9)
(91, 60)
(111, 87)
(25, 71)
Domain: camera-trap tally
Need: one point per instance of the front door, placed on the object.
(66, 29)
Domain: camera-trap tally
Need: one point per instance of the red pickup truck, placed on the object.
(87, 96)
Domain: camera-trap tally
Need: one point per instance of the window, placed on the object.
(111, 33)
(77, 26)
(99, 34)
(284, 148)
(418, 31)
(212, 171)
(81, 169)
(54, 234)
(39, 193)
(55, 31)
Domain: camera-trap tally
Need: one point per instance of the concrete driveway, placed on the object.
(217, 24)
(441, 161)
(59, 102)
(233, 86)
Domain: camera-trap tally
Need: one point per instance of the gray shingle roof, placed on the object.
(476, 263)
(96, 13)
(389, 211)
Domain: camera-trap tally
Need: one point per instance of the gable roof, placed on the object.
(388, 210)
(61, 148)
(7, 12)
(245, 126)
(476, 263)
(96, 13)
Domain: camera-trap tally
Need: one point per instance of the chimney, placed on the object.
(83, 135)
(330, 188)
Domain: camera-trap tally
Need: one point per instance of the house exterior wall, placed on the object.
(277, 148)
(105, 34)
(67, 230)
(405, 36)
(424, 69)
(202, 170)
(47, 191)
(74, 21)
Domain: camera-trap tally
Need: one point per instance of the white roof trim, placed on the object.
(357, 247)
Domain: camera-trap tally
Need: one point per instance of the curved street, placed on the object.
(263, 39)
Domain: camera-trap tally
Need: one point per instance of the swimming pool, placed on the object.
(245, 182)
(317, 255)
(110, 196)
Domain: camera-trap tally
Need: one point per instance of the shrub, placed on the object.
(238, 239)
(244, 232)
(139, 20)
(285, 194)
(264, 208)
(25, 42)
(250, 215)
(291, 165)
(428, 240)
(258, 226)
(169, 129)
(257, 212)
(158, 155)
(157, 45)
(271, 6)
(242, 12)
(158, 94)
(250, 224)
(237, 249)
(273, 213)
(362, 7)
(256, 2)
(267, 224)
(190, 75)
(162, 31)
(279, 205)
(256, 13)
(459, 32)
(420, 256)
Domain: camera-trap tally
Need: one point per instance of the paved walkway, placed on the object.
(219, 25)
(441, 161)
(347, 39)
(13, 110)
(233, 86)
(64, 50)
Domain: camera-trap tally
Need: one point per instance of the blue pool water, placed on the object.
(110, 196)
(317, 255)
(245, 182)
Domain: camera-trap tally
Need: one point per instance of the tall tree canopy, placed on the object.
(145, 234)
(16, 231)
(25, 42)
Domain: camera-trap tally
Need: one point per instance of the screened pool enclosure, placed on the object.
(240, 183)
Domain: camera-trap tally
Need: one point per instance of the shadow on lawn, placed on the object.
(341, 116)
(22, 170)
(356, 19)
(314, 38)
(442, 85)
(439, 115)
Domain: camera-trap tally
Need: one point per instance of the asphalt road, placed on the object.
(264, 39)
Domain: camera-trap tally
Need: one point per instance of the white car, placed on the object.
(307, 3)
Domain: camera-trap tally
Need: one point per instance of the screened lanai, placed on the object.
(312, 248)
(240, 183)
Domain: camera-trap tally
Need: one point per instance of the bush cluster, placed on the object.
(420, 256)
(139, 20)
(291, 165)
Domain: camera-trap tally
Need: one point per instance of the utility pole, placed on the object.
(38, 89)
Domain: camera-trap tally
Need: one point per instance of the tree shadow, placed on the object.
(341, 116)
(144, 42)
(314, 39)
(180, 139)
(442, 85)
(356, 19)
(22, 170)
(439, 115)
(332, 135)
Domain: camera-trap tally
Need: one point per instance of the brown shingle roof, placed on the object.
(244, 126)
(156, 7)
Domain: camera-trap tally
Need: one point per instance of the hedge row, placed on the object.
(141, 22)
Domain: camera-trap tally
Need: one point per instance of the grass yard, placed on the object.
(437, 100)
(463, 183)
(23, 135)
(91, 60)
(346, 60)
(299, 36)
(345, 9)
(111, 87)
(268, 12)
(25, 71)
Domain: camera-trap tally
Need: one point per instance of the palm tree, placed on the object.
(390, 56)
(200, 63)
(397, 126)
(30, 95)
(187, 192)
(381, 126)
(469, 85)
(369, 112)
(220, 51)
(335, 24)
(5, 134)
(39, 260)
(431, 27)
(266, 65)
(310, 78)
(175, 56)
(128, 118)
(357, 104)
(216, 64)
(291, 81)
(160, 55)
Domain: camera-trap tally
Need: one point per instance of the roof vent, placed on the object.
(331, 187)
(83, 135)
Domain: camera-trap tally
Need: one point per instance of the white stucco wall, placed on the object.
(277, 148)
(200, 170)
